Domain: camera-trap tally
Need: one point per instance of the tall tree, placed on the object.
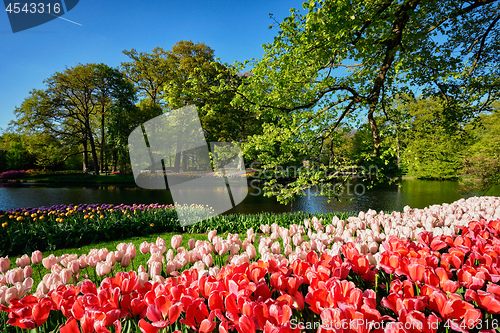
(74, 106)
(344, 58)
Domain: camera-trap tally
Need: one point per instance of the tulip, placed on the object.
(155, 269)
(211, 235)
(191, 243)
(144, 247)
(56, 268)
(143, 277)
(199, 265)
(83, 261)
(252, 253)
(119, 255)
(103, 268)
(66, 275)
(23, 261)
(122, 247)
(276, 248)
(10, 293)
(170, 255)
(36, 257)
(14, 275)
(111, 258)
(49, 261)
(74, 266)
(208, 260)
(92, 260)
(126, 260)
(131, 250)
(103, 253)
(176, 241)
(28, 272)
(4, 264)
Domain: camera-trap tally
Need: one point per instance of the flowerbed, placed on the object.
(48, 228)
(300, 278)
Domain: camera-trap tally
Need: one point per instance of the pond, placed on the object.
(411, 192)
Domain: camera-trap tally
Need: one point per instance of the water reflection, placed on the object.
(415, 193)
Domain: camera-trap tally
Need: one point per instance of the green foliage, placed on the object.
(482, 159)
(432, 149)
(340, 59)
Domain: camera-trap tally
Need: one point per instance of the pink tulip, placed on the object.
(122, 247)
(276, 248)
(169, 267)
(234, 248)
(36, 257)
(170, 255)
(160, 242)
(4, 264)
(131, 250)
(66, 275)
(144, 247)
(92, 260)
(265, 228)
(222, 247)
(199, 265)
(103, 268)
(208, 260)
(141, 269)
(126, 260)
(119, 255)
(143, 277)
(176, 241)
(211, 235)
(83, 261)
(153, 248)
(252, 253)
(155, 269)
(14, 275)
(56, 268)
(103, 253)
(28, 272)
(74, 266)
(191, 243)
(23, 261)
(155, 257)
(111, 258)
(11, 293)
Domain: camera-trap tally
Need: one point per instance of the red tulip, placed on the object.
(71, 326)
(489, 301)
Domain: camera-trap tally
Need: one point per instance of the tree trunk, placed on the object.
(103, 142)
(373, 126)
(85, 160)
(92, 148)
(177, 163)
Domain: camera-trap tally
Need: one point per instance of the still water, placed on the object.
(411, 192)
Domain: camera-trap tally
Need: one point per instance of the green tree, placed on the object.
(72, 111)
(482, 158)
(342, 59)
(432, 151)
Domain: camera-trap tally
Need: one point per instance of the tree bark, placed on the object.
(92, 147)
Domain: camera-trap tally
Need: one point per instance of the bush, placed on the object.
(13, 174)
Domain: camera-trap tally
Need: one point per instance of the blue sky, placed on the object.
(235, 29)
